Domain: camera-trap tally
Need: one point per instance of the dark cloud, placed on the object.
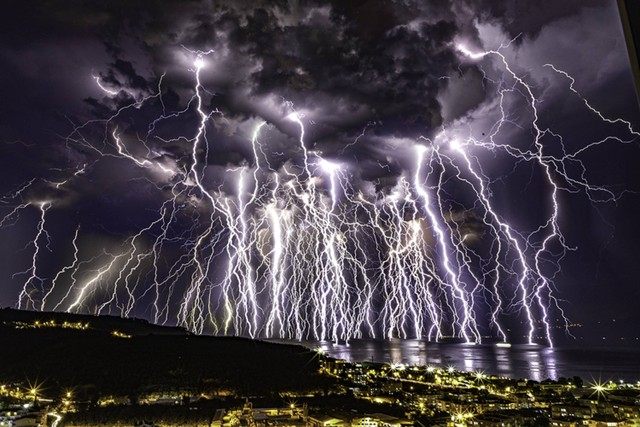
(369, 77)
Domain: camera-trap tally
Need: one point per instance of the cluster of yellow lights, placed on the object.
(120, 334)
(67, 402)
(461, 418)
(53, 324)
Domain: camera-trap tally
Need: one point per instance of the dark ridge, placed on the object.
(141, 357)
(130, 326)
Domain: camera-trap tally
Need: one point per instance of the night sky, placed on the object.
(369, 81)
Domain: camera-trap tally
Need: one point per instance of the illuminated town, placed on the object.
(277, 385)
(357, 395)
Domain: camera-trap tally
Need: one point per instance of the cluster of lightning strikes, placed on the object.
(297, 252)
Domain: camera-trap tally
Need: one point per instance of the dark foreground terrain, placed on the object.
(107, 355)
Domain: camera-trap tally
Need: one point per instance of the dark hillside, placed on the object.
(142, 358)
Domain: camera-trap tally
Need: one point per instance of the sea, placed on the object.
(594, 364)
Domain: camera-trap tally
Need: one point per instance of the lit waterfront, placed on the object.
(521, 361)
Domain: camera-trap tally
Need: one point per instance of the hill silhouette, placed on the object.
(143, 357)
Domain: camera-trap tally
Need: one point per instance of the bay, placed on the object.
(592, 364)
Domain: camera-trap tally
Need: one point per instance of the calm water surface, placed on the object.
(518, 361)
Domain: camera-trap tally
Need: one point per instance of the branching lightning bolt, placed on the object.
(294, 250)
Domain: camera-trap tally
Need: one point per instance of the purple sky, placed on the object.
(370, 78)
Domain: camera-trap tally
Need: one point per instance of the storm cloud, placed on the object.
(371, 80)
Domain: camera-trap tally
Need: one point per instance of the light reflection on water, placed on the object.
(519, 361)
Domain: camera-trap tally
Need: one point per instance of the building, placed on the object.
(493, 419)
(566, 422)
(571, 411)
(326, 421)
(380, 420)
(605, 421)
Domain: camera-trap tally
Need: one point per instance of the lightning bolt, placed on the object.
(294, 250)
